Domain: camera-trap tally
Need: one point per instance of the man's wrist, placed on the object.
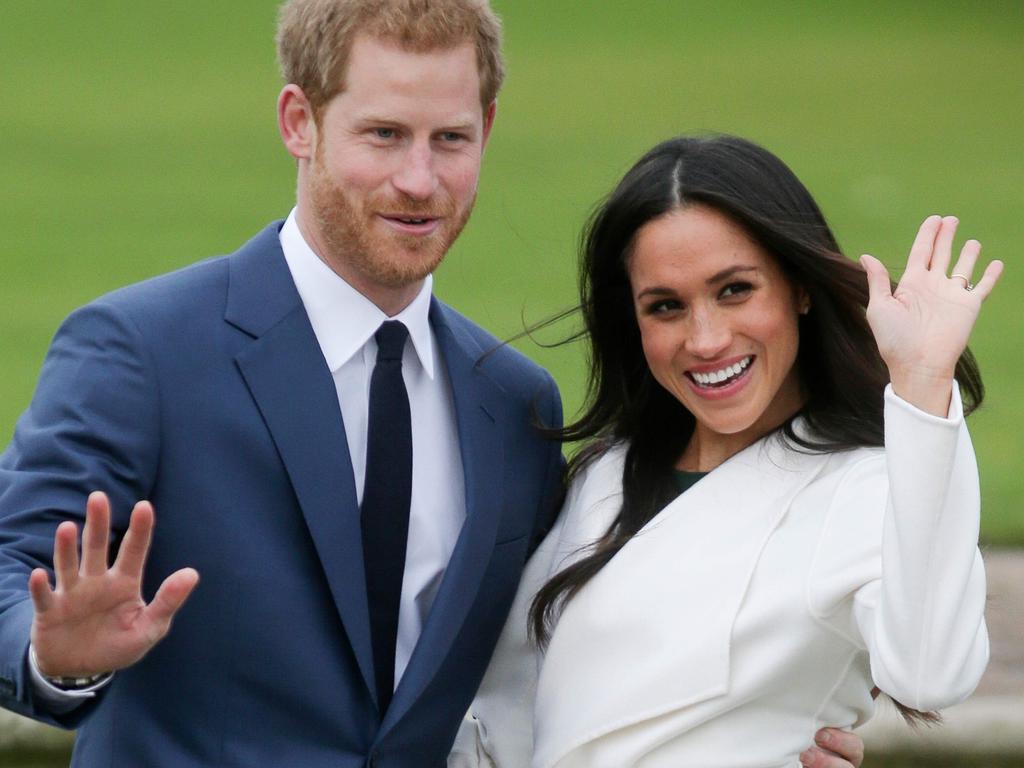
(70, 684)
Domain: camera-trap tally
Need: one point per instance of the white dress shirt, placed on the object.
(344, 322)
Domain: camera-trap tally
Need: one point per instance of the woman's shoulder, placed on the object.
(600, 469)
(595, 495)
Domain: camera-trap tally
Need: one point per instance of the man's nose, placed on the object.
(417, 177)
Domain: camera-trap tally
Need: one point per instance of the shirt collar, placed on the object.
(343, 319)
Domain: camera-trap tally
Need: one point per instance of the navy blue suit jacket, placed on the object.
(205, 391)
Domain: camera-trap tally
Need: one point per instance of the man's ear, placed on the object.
(492, 110)
(295, 122)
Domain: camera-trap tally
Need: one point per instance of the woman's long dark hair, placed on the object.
(842, 373)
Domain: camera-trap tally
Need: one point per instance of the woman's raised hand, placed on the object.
(922, 327)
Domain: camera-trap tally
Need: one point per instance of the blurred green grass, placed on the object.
(138, 137)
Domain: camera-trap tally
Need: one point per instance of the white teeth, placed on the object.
(717, 377)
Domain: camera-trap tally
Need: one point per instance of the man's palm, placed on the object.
(94, 620)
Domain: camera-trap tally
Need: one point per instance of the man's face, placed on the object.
(394, 173)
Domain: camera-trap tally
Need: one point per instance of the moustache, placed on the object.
(415, 209)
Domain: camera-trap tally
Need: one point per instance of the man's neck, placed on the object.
(390, 300)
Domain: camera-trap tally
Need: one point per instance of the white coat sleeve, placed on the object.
(920, 614)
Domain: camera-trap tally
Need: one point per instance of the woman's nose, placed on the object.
(708, 336)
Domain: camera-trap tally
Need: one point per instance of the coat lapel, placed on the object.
(690, 566)
(479, 415)
(294, 391)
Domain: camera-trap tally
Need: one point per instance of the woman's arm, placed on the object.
(924, 620)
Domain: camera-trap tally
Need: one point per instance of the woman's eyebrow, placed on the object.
(728, 272)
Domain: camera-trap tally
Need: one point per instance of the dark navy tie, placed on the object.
(387, 491)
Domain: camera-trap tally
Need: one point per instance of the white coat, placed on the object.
(760, 605)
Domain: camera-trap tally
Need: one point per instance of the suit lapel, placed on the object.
(479, 414)
(294, 391)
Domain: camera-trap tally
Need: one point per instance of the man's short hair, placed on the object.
(314, 38)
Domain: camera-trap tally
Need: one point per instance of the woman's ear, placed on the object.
(803, 301)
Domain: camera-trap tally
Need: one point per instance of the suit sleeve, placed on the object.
(554, 476)
(92, 425)
(919, 607)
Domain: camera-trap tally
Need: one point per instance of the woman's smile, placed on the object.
(721, 380)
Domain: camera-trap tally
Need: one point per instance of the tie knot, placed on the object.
(391, 338)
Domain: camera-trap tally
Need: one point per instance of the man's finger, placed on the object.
(171, 595)
(131, 558)
(815, 757)
(96, 535)
(65, 555)
(849, 746)
(921, 251)
(39, 589)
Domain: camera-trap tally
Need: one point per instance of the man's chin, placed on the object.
(404, 267)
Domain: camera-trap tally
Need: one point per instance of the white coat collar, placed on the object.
(624, 618)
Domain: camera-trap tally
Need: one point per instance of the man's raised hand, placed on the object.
(94, 619)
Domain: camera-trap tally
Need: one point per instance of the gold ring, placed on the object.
(968, 285)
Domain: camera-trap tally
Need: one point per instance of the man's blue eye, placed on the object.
(385, 133)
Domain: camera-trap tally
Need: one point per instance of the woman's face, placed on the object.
(718, 320)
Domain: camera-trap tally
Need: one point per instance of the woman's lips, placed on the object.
(722, 381)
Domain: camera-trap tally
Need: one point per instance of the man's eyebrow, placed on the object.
(458, 122)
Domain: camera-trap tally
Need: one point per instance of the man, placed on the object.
(330, 447)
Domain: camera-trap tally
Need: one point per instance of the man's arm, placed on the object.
(554, 478)
(834, 748)
(93, 422)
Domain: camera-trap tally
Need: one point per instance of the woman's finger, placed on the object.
(921, 251)
(989, 279)
(942, 252)
(964, 267)
(879, 286)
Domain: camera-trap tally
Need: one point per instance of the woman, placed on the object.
(740, 561)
